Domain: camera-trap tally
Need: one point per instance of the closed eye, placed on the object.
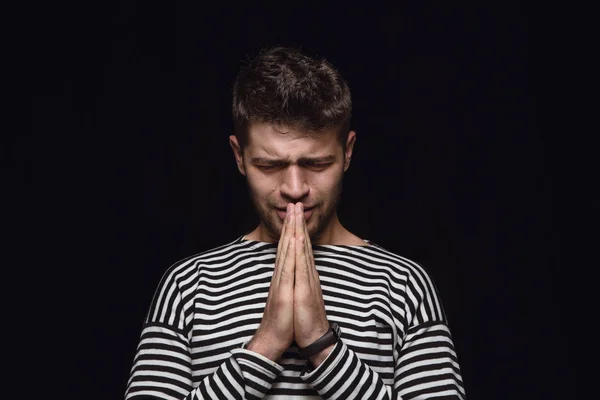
(272, 167)
(319, 166)
(266, 167)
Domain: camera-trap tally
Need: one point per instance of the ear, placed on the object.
(237, 152)
(349, 148)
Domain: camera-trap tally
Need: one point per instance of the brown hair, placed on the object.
(284, 86)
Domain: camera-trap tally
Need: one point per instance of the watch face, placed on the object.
(335, 329)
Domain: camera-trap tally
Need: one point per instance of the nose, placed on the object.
(294, 186)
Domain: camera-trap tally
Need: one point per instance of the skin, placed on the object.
(317, 185)
(283, 172)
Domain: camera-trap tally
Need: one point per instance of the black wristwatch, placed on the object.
(329, 338)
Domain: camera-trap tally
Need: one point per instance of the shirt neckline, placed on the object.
(315, 246)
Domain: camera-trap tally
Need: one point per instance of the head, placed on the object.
(292, 138)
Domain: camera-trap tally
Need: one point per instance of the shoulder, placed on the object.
(422, 300)
(416, 273)
(179, 281)
(184, 268)
(376, 254)
(412, 275)
(376, 260)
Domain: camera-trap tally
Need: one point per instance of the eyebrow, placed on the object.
(301, 160)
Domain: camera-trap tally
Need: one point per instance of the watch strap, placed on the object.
(330, 337)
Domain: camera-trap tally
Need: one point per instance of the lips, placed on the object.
(282, 211)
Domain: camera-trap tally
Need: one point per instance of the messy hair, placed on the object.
(290, 89)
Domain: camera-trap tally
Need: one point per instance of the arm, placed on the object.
(162, 366)
(425, 361)
(427, 368)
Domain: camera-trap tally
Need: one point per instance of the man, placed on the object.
(300, 307)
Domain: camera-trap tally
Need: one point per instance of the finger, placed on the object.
(310, 266)
(302, 271)
(283, 230)
(289, 234)
(301, 255)
(282, 255)
(301, 234)
(281, 246)
(307, 242)
(296, 220)
(281, 237)
(286, 281)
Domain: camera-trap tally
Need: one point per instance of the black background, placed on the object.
(128, 168)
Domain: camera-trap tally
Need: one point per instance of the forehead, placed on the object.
(273, 141)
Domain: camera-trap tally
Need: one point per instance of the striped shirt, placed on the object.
(395, 342)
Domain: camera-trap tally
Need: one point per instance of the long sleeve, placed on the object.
(162, 367)
(425, 361)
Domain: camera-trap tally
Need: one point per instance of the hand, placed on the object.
(310, 318)
(276, 330)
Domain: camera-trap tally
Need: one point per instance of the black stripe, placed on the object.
(211, 287)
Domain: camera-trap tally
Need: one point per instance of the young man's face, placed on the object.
(287, 166)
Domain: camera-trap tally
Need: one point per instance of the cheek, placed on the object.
(261, 187)
(326, 183)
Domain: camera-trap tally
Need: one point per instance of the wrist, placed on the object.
(318, 358)
(318, 351)
(265, 348)
(313, 337)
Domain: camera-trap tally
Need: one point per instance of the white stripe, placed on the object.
(215, 277)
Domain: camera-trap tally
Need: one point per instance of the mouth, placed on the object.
(307, 213)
